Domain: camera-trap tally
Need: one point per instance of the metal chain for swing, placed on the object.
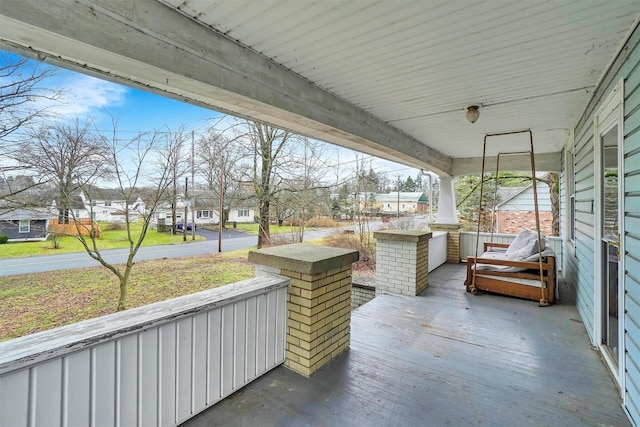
(544, 301)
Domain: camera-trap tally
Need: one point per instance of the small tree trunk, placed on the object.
(263, 231)
(123, 294)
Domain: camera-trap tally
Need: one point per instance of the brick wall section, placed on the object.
(453, 240)
(402, 261)
(319, 316)
(318, 302)
(361, 294)
(511, 222)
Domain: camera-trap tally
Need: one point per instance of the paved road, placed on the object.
(39, 264)
(231, 240)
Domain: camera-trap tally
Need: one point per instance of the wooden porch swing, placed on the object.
(526, 268)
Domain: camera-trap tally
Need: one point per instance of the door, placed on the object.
(610, 241)
(608, 207)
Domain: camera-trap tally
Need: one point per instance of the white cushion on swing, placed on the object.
(525, 245)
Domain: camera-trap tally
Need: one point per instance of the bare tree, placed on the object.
(361, 200)
(22, 93)
(267, 144)
(23, 103)
(308, 172)
(129, 161)
(174, 159)
(220, 145)
(68, 155)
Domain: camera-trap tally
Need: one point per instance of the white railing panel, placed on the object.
(261, 355)
(214, 378)
(148, 366)
(437, 249)
(14, 399)
(103, 372)
(153, 365)
(167, 374)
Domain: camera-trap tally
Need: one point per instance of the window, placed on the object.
(107, 202)
(93, 215)
(24, 226)
(105, 212)
(571, 195)
(243, 212)
(203, 214)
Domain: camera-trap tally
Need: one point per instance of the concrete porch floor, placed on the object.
(445, 358)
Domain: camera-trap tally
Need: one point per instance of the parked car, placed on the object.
(189, 226)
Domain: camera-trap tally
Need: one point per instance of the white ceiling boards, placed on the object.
(392, 78)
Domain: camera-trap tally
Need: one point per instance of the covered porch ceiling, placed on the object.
(387, 78)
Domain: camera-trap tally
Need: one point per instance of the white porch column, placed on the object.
(447, 219)
(446, 202)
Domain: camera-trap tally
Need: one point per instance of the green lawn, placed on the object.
(110, 240)
(36, 302)
(41, 301)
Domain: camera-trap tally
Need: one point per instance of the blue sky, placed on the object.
(138, 111)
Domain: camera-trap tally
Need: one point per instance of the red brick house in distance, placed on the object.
(517, 211)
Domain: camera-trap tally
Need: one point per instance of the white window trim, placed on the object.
(21, 226)
(570, 180)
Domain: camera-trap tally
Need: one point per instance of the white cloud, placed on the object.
(84, 95)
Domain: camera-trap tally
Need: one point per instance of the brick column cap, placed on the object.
(304, 258)
(445, 225)
(403, 235)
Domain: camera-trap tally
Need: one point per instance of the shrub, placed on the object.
(284, 239)
(114, 226)
(355, 241)
(404, 223)
(322, 222)
(3, 238)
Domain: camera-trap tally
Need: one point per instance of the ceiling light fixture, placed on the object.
(473, 112)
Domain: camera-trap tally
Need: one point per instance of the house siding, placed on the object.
(519, 211)
(10, 228)
(524, 200)
(631, 159)
(579, 270)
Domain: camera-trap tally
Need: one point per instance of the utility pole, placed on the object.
(193, 189)
(221, 211)
(186, 213)
(398, 186)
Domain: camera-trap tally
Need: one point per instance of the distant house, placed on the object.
(205, 211)
(405, 202)
(109, 205)
(517, 210)
(25, 224)
(242, 214)
(76, 209)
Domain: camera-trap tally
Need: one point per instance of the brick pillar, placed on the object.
(453, 239)
(402, 261)
(318, 302)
